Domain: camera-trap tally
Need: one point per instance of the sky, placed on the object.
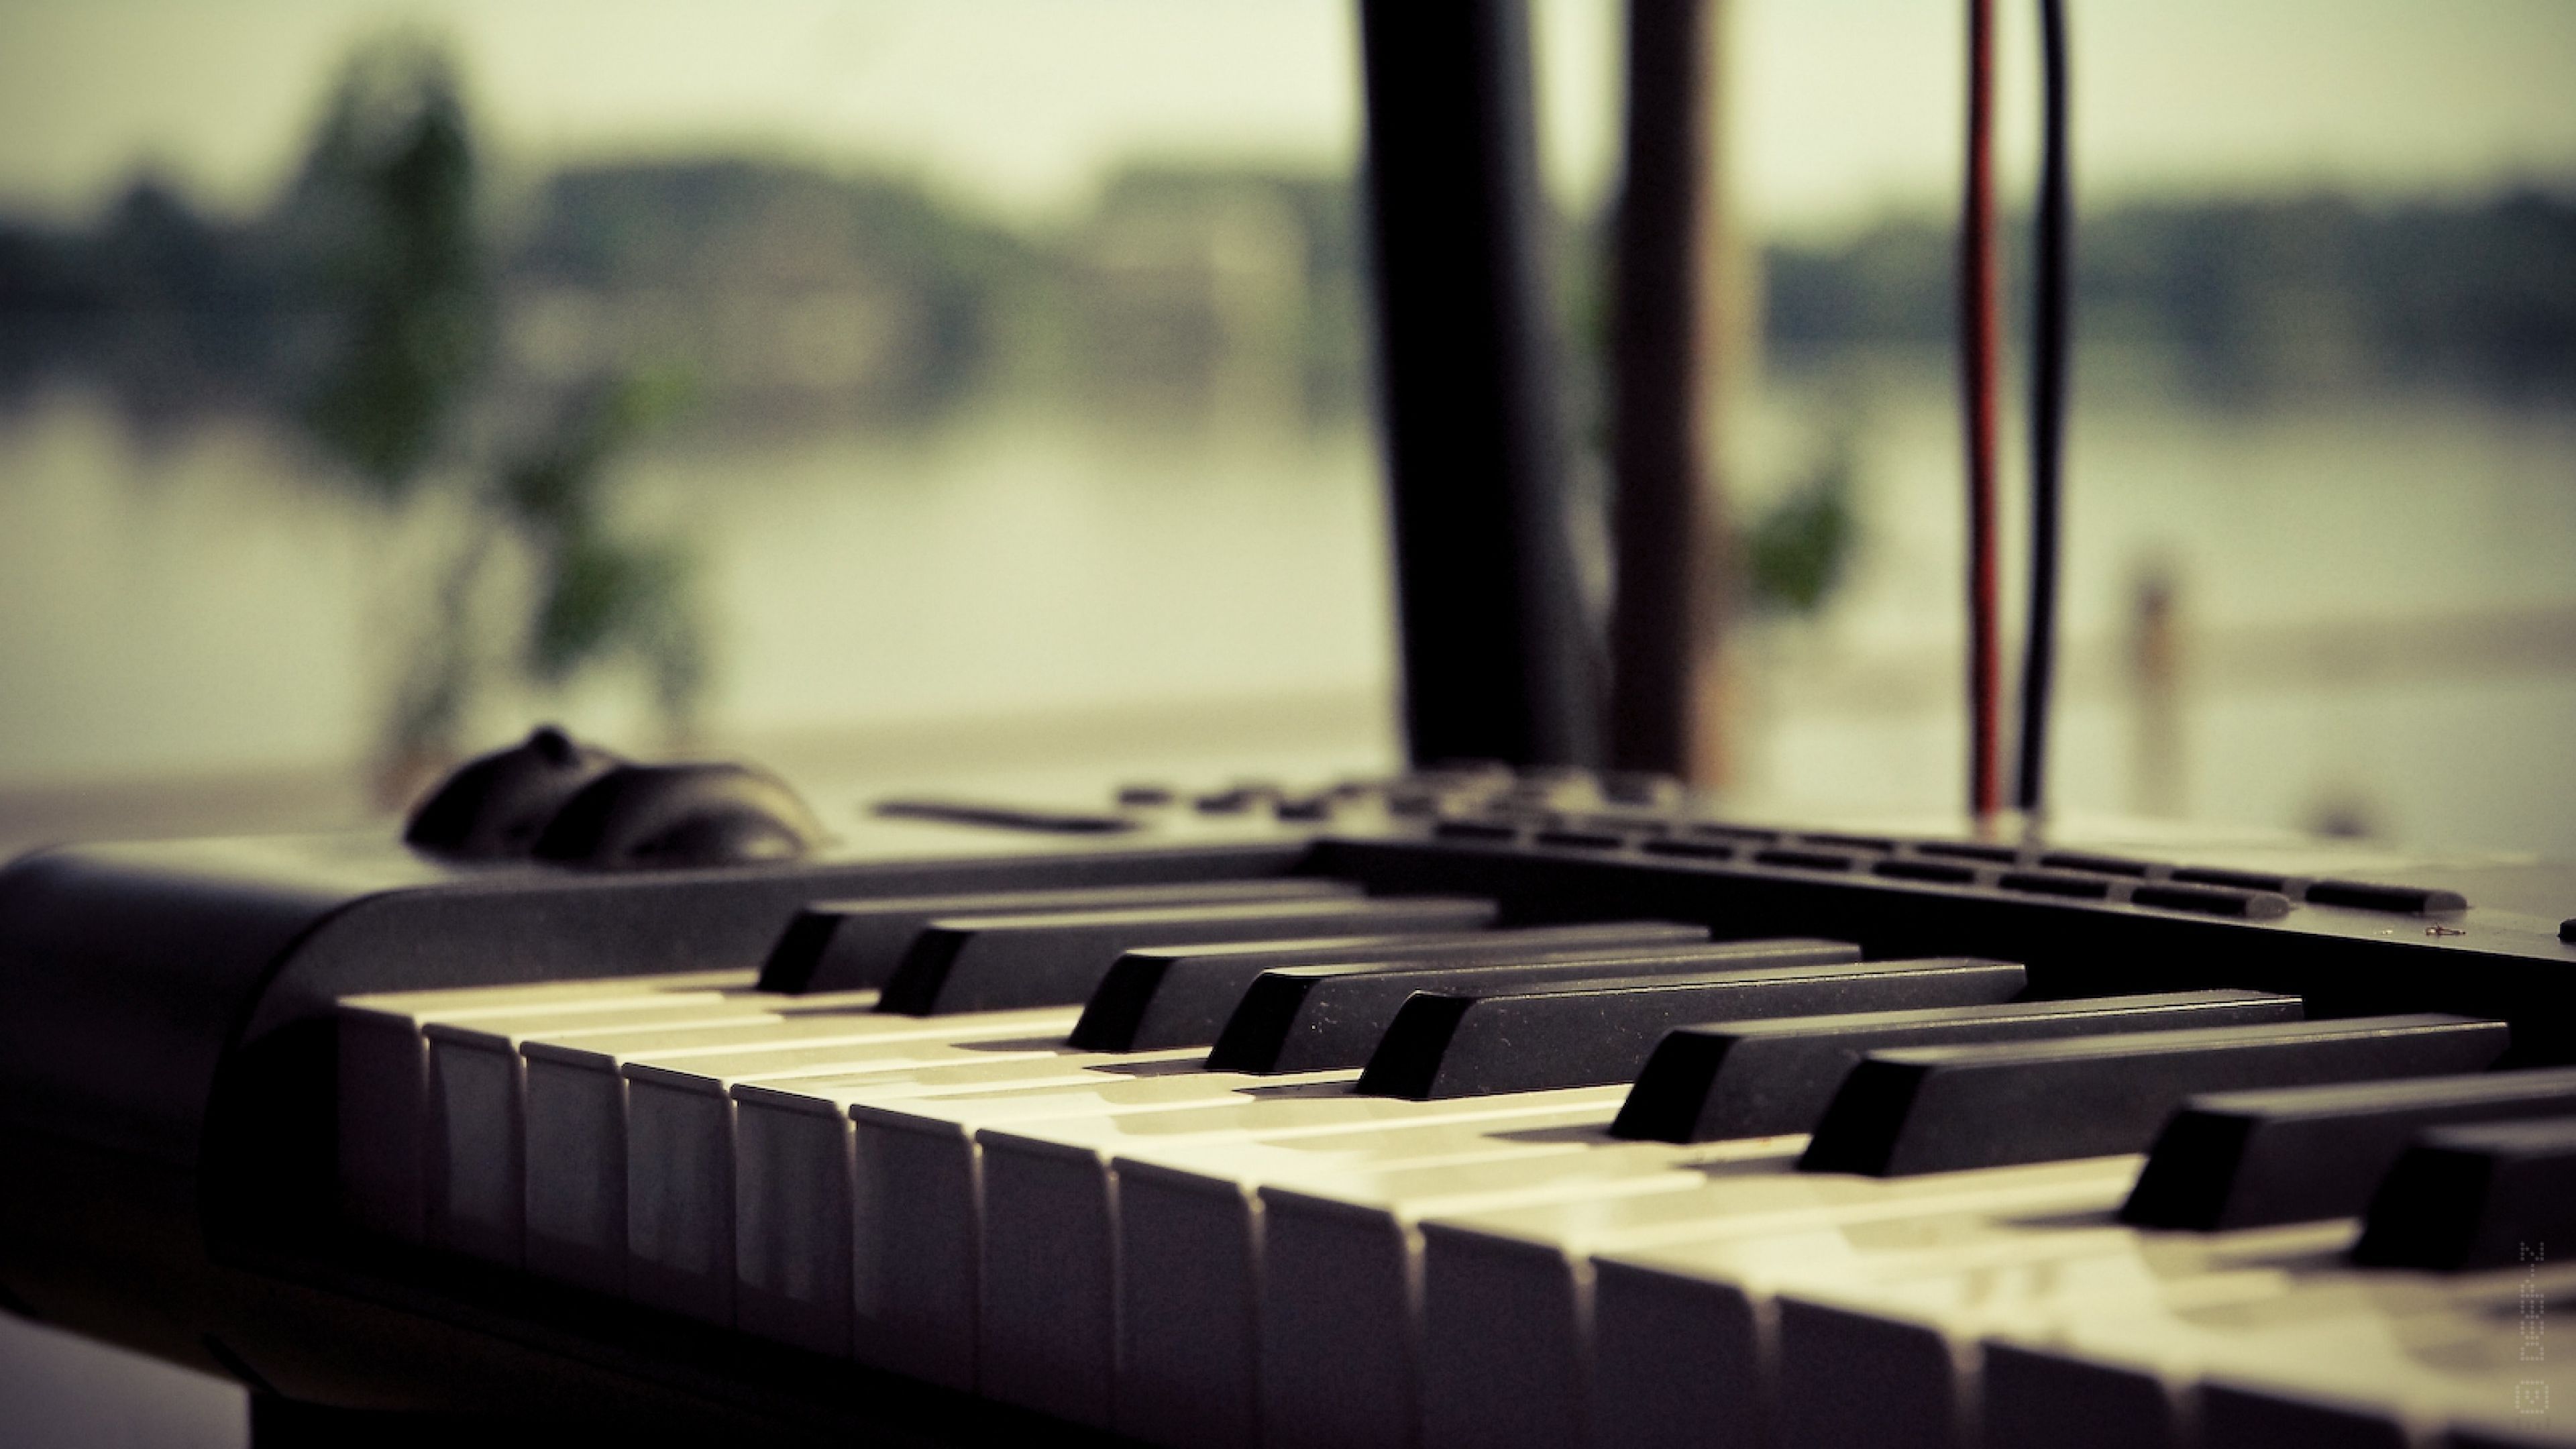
(1836, 108)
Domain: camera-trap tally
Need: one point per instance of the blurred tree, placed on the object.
(1795, 552)
(386, 203)
(385, 216)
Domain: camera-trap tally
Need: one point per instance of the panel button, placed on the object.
(1750, 834)
(1938, 872)
(1962, 850)
(1803, 860)
(2206, 901)
(1878, 845)
(2067, 887)
(1006, 817)
(2243, 880)
(2096, 864)
(2397, 900)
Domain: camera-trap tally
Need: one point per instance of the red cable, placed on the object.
(1979, 362)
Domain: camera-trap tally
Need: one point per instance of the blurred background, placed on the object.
(906, 390)
(898, 389)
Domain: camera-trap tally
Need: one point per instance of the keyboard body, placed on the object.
(166, 1048)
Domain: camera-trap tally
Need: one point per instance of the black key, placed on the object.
(1943, 1109)
(854, 945)
(2249, 1159)
(989, 963)
(1182, 997)
(1322, 1018)
(2494, 1195)
(1762, 1078)
(1454, 1044)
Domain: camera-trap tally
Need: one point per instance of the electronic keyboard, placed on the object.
(1474, 1106)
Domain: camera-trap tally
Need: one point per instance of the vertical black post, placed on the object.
(1496, 655)
(1663, 624)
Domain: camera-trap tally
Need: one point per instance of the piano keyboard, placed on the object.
(1298, 1165)
(1470, 1108)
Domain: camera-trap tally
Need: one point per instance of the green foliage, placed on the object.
(1795, 553)
(386, 215)
(387, 199)
(599, 596)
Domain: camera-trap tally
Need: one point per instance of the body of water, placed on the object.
(2374, 596)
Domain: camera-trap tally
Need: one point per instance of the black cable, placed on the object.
(2052, 317)
(1980, 369)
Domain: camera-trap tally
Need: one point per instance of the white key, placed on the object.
(474, 1168)
(1341, 1324)
(1917, 1328)
(1526, 1379)
(903, 1206)
(1678, 1334)
(1189, 1227)
(2266, 1342)
(383, 1074)
(1047, 1327)
(1048, 1324)
(1684, 1337)
(931, 1166)
(678, 1232)
(2258, 1337)
(583, 1180)
(792, 1184)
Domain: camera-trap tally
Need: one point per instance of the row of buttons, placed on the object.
(1565, 808)
(2069, 875)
